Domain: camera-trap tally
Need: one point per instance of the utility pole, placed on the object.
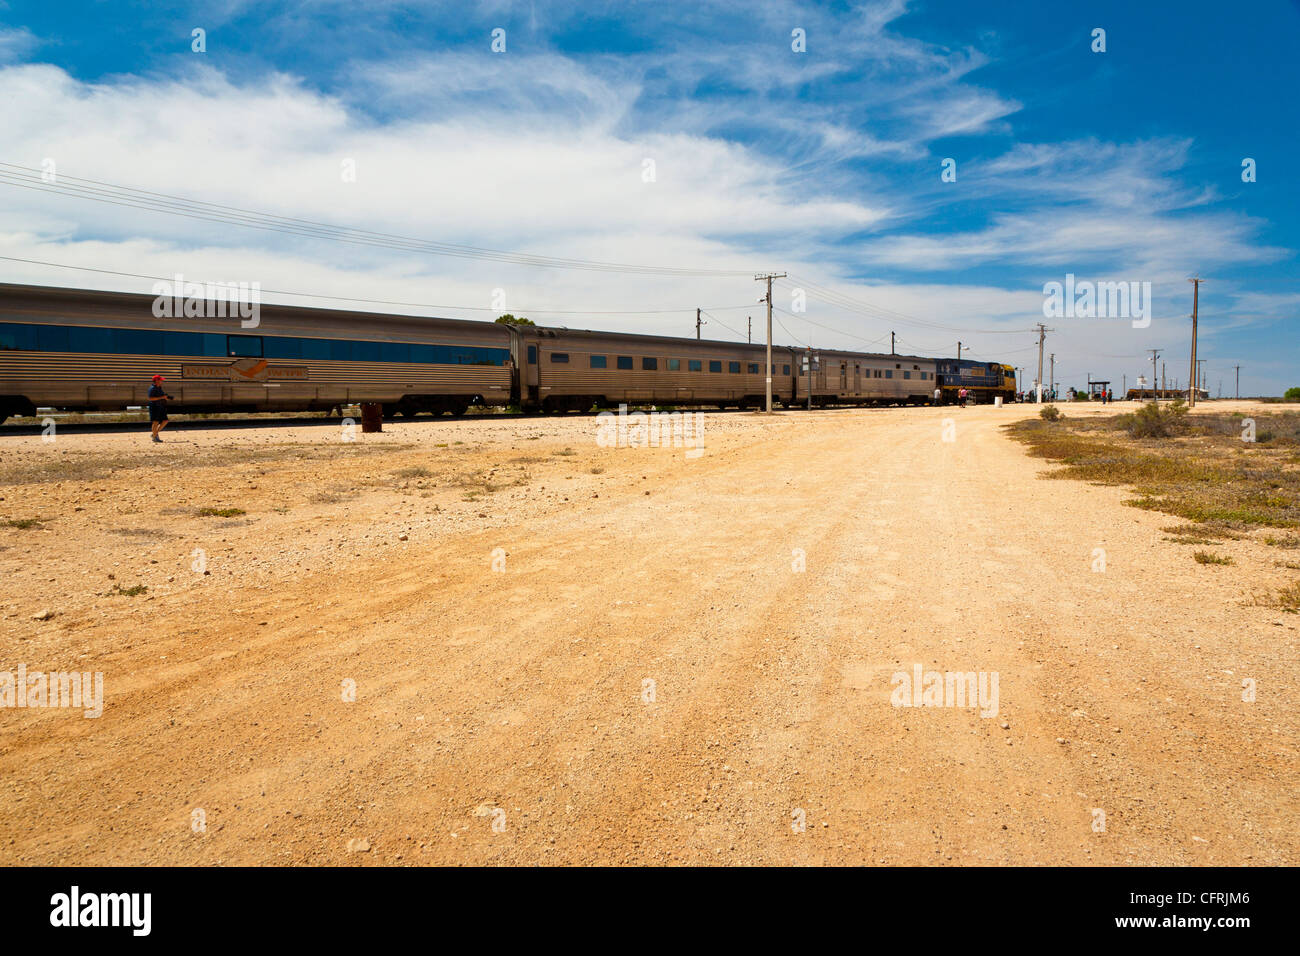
(809, 360)
(1238, 369)
(749, 333)
(1038, 383)
(1201, 380)
(959, 350)
(891, 343)
(1154, 354)
(1051, 377)
(1162, 378)
(698, 323)
(1123, 387)
(1196, 297)
(768, 279)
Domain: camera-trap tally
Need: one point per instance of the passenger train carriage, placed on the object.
(78, 349)
(87, 350)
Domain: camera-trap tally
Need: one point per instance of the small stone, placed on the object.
(1060, 740)
(44, 615)
(358, 845)
(1004, 725)
(401, 537)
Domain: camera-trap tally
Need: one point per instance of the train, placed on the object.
(983, 381)
(1144, 394)
(89, 350)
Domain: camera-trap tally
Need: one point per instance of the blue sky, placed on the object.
(1116, 165)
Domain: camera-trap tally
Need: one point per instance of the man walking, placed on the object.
(938, 395)
(157, 406)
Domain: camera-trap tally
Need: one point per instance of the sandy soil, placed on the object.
(507, 716)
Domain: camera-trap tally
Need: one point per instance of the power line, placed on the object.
(343, 298)
(828, 328)
(861, 307)
(721, 323)
(98, 191)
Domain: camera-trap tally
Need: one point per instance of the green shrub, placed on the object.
(1292, 394)
(1205, 557)
(1156, 421)
(1050, 413)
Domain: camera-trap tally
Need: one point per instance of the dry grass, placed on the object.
(1205, 557)
(89, 466)
(1288, 598)
(1195, 467)
(23, 524)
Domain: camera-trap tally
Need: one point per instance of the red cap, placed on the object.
(159, 378)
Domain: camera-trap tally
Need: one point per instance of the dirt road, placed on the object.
(567, 653)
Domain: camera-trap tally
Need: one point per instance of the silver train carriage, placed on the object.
(87, 350)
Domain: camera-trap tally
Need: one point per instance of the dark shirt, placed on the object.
(156, 395)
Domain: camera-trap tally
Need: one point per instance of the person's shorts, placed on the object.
(157, 412)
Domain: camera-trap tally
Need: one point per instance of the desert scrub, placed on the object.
(133, 591)
(1153, 420)
(1205, 557)
(23, 523)
(1199, 470)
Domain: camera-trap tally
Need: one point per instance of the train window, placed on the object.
(532, 355)
(877, 373)
(599, 361)
(896, 365)
(785, 370)
(889, 373)
(388, 351)
(715, 366)
(674, 365)
(907, 375)
(244, 346)
(916, 368)
(649, 364)
(18, 338)
(625, 361)
(52, 338)
(91, 340)
(138, 341)
(364, 351)
(733, 368)
(753, 368)
(182, 343)
(320, 349)
(694, 365)
(559, 358)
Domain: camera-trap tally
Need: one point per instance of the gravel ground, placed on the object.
(568, 653)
